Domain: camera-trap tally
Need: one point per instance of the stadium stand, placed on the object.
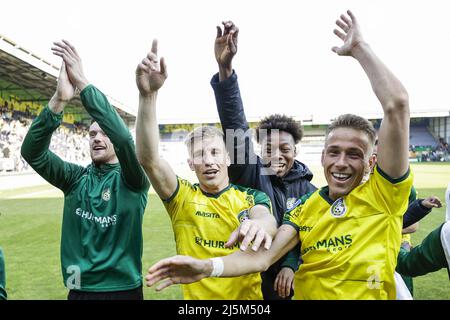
(420, 136)
(70, 141)
(425, 143)
(27, 82)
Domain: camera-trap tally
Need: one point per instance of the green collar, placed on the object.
(105, 167)
(324, 193)
(214, 195)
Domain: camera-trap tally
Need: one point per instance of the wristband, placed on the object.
(217, 267)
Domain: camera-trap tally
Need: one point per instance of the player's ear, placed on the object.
(372, 162)
(228, 160)
(368, 167)
(191, 164)
(322, 156)
(295, 151)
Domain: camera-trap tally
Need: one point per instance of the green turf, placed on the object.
(436, 285)
(30, 234)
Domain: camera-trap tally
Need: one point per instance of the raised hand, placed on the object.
(72, 62)
(351, 34)
(65, 90)
(225, 46)
(176, 270)
(150, 75)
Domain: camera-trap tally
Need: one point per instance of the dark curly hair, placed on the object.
(283, 123)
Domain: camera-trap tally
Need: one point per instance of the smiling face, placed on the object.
(345, 160)
(209, 159)
(278, 152)
(102, 150)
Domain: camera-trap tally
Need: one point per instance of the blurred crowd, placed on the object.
(69, 143)
(440, 152)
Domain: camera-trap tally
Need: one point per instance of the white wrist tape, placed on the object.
(217, 267)
(445, 240)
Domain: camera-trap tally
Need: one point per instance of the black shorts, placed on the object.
(134, 294)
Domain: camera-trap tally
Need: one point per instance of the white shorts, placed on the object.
(402, 292)
(445, 240)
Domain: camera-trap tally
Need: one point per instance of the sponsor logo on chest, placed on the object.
(213, 243)
(333, 244)
(104, 222)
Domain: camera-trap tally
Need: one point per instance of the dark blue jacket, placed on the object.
(248, 170)
(416, 211)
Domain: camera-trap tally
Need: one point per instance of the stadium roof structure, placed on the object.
(33, 79)
(321, 119)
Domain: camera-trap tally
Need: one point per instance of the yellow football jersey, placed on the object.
(349, 246)
(202, 224)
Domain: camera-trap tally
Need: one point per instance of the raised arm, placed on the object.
(98, 106)
(35, 146)
(150, 76)
(393, 136)
(185, 269)
(243, 169)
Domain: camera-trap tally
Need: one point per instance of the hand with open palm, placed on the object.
(351, 34)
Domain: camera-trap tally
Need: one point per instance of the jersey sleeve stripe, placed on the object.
(292, 224)
(174, 194)
(392, 180)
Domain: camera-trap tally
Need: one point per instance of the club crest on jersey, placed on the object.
(338, 209)
(106, 194)
(290, 203)
(250, 199)
(243, 215)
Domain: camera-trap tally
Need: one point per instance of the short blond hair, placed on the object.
(201, 133)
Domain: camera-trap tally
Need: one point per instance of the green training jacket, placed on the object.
(2, 277)
(101, 241)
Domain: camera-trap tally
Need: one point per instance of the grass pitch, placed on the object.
(30, 230)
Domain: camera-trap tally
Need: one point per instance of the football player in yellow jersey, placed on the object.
(349, 231)
(211, 218)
